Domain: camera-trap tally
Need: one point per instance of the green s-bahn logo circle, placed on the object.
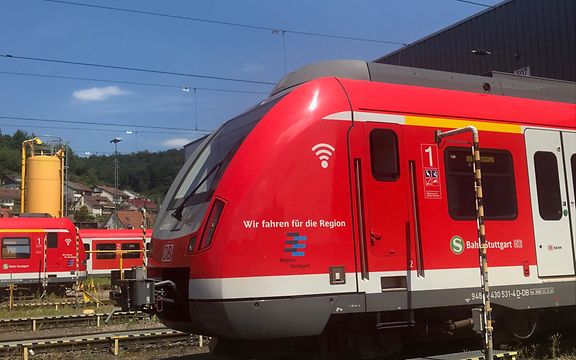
(457, 245)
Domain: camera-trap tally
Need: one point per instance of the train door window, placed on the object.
(497, 182)
(131, 255)
(384, 155)
(15, 248)
(548, 185)
(107, 254)
(573, 166)
(52, 240)
(87, 249)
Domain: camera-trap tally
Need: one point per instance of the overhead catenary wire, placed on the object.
(118, 67)
(475, 3)
(3, 124)
(181, 87)
(226, 23)
(102, 124)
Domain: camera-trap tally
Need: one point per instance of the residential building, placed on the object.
(10, 198)
(129, 219)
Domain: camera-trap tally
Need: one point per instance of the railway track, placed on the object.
(56, 304)
(52, 322)
(104, 341)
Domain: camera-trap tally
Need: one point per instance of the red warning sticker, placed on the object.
(432, 184)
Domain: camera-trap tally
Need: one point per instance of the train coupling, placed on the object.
(137, 292)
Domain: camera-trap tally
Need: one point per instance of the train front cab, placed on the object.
(231, 253)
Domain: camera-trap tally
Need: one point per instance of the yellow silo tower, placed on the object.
(42, 178)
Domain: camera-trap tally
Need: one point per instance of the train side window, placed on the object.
(384, 155)
(548, 185)
(212, 222)
(497, 182)
(106, 255)
(15, 248)
(87, 249)
(131, 255)
(52, 240)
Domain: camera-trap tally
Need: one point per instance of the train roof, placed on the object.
(113, 233)
(496, 83)
(37, 223)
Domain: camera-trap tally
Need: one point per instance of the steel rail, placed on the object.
(106, 339)
(54, 304)
(33, 323)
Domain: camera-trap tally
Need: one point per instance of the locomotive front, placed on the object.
(253, 229)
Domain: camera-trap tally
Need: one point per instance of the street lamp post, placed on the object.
(116, 141)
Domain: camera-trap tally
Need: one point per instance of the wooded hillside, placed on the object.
(144, 172)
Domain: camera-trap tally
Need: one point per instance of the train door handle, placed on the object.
(374, 237)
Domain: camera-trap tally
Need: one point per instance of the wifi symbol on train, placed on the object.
(323, 152)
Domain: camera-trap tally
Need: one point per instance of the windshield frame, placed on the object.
(228, 138)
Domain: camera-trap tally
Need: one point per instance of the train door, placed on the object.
(86, 243)
(53, 253)
(386, 194)
(549, 155)
(569, 144)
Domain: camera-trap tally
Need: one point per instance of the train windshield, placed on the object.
(193, 193)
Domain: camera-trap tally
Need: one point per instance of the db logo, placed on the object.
(167, 253)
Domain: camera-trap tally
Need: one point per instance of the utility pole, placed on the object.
(116, 141)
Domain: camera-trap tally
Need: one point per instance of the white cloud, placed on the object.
(99, 94)
(176, 142)
(250, 68)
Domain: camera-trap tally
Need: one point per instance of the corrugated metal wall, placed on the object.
(539, 34)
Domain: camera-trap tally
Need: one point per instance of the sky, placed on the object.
(89, 74)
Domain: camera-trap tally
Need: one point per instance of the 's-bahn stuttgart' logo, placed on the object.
(457, 245)
(295, 244)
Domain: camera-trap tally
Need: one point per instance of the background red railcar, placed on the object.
(107, 240)
(39, 252)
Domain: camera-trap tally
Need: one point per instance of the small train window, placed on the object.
(499, 189)
(87, 249)
(52, 240)
(131, 254)
(212, 222)
(384, 155)
(108, 254)
(15, 248)
(548, 185)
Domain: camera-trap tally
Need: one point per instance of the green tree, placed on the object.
(83, 215)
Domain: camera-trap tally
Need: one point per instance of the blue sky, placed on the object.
(50, 30)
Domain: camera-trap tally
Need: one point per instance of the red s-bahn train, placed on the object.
(133, 241)
(40, 253)
(330, 210)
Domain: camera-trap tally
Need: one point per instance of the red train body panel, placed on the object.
(331, 203)
(40, 250)
(101, 264)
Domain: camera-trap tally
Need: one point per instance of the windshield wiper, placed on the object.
(178, 212)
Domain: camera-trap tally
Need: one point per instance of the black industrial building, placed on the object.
(526, 37)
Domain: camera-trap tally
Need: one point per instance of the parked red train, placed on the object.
(108, 241)
(330, 210)
(40, 253)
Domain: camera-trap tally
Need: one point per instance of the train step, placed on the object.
(472, 355)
